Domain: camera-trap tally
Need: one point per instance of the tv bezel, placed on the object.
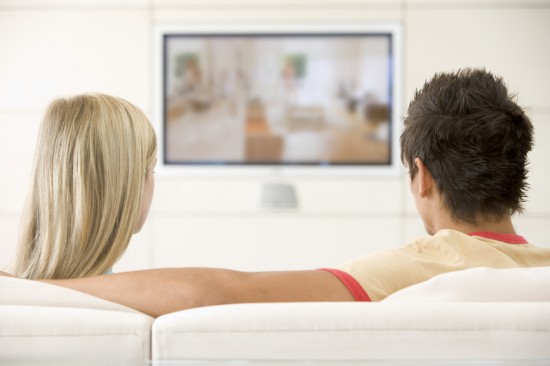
(279, 170)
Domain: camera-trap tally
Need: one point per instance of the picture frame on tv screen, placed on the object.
(290, 99)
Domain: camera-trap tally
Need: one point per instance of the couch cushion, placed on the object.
(48, 324)
(481, 284)
(356, 331)
(73, 336)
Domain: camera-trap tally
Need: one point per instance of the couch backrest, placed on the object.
(16, 291)
(481, 285)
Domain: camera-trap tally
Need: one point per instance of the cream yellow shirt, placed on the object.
(384, 272)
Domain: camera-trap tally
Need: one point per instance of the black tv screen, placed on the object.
(278, 98)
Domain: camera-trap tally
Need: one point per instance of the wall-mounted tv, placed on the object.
(302, 99)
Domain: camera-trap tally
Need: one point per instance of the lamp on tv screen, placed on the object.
(278, 98)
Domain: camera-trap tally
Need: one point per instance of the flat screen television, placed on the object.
(298, 100)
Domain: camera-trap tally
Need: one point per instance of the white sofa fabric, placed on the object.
(479, 314)
(482, 285)
(355, 331)
(42, 322)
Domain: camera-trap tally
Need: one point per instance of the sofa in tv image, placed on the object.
(476, 315)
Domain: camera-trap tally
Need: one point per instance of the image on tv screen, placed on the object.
(277, 99)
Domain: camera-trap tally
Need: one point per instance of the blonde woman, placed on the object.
(91, 189)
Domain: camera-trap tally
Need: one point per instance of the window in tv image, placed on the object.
(277, 99)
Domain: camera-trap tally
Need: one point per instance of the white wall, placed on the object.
(51, 48)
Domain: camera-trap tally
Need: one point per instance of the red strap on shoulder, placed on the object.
(356, 290)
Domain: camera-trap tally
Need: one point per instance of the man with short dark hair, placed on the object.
(465, 143)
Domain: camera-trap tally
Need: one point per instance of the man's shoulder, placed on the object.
(452, 237)
(442, 237)
(450, 243)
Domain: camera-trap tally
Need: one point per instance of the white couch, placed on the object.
(478, 314)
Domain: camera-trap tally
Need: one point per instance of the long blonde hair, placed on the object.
(91, 162)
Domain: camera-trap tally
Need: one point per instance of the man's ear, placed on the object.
(425, 179)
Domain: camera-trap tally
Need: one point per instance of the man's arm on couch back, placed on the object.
(161, 291)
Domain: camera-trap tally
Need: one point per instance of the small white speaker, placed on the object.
(278, 196)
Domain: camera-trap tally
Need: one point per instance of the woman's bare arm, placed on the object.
(161, 291)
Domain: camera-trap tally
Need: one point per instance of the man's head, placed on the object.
(473, 139)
